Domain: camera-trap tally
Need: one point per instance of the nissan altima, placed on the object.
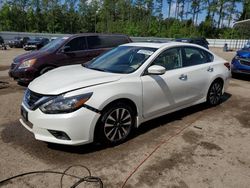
(108, 97)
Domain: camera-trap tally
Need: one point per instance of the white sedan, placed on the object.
(106, 98)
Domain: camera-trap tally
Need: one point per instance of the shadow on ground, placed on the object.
(245, 77)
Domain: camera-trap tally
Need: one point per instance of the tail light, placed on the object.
(227, 65)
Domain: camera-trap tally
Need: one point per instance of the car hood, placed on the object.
(30, 55)
(68, 78)
(243, 53)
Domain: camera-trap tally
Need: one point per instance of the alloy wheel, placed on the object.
(215, 93)
(118, 124)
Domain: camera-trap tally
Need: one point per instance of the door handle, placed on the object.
(210, 69)
(183, 77)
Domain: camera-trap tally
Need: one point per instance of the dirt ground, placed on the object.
(195, 147)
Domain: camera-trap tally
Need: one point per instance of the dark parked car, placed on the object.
(73, 49)
(2, 44)
(18, 42)
(36, 43)
(200, 41)
(1, 40)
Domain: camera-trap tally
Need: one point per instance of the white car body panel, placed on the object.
(77, 127)
(70, 78)
(172, 92)
(153, 95)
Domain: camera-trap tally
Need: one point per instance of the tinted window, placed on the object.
(1, 40)
(54, 45)
(210, 57)
(95, 42)
(77, 44)
(194, 56)
(170, 59)
(45, 41)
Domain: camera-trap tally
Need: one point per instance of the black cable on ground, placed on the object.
(89, 178)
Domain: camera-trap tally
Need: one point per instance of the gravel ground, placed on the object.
(195, 147)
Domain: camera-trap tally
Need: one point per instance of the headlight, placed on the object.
(63, 104)
(27, 64)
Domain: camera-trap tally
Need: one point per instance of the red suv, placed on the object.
(74, 49)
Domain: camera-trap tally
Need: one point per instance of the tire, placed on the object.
(46, 69)
(215, 93)
(234, 75)
(115, 124)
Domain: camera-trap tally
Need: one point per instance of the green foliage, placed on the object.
(132, 17)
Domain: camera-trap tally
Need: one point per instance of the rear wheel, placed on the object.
(115, 124)
(215, 93)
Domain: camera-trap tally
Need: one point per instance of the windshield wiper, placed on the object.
(84, 65)
(98, 69)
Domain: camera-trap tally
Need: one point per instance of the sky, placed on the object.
(201, 16)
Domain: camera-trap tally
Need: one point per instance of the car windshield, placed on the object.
(34, 39)
(123, 59)
(53, 45)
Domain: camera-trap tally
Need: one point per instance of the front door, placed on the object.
(77, 53)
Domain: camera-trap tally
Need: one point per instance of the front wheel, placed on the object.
(215, 93)
(45, 69)
(115, 124)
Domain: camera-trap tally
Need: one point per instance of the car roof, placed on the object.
(95, 34)
(159, 45)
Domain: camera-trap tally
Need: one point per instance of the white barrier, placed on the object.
(232, 43)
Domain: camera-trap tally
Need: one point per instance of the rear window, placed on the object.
(95, 42)
(210, 57)
(194, 56)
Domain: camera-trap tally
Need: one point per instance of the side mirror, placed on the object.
(65, 49)
(156, 70)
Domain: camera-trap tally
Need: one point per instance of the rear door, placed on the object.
(96, 46)
(101, 43)
(197, 65)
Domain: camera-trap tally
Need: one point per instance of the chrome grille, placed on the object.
(31, 97)
(245, 62)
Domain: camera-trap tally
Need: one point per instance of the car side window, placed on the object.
(170, 59)
(77, 44)
(95, 42)
(112, 41)
(210, 57)
(193, 56)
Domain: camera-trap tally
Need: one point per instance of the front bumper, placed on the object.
(30, 47)
(78, 125)
(23, 75)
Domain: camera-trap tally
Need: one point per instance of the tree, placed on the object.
(196, 9)
(246, 10)
(169, 7)
(133, 17)
(220, 11)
